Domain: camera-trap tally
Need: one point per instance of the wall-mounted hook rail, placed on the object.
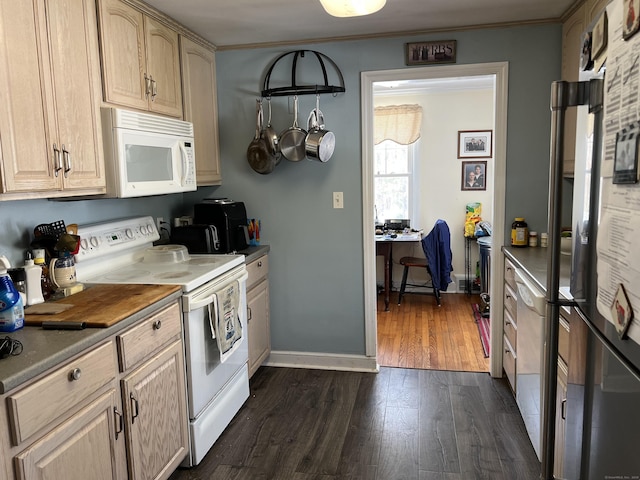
(294, 88)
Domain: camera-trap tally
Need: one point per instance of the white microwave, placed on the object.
(147, 154)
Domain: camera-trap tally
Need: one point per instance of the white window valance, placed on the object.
(400, 123)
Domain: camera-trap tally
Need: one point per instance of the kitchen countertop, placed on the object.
(251, 253)
(44, 349)
(533, 260)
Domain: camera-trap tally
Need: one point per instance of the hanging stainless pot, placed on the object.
(292, 140)
(319, 143)
(258, 154)
(271, 136)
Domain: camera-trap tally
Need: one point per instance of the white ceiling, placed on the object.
(235, 23)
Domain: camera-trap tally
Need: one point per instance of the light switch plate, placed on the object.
(338, 200)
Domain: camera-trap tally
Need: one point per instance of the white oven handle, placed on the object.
(205, 296)
(204, 302)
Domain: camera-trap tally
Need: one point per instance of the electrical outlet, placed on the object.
(159, 222)
(338, 200)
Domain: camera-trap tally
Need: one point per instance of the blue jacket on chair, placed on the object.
(437, 249)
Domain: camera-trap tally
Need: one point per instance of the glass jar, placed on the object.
(519, 233)
(533, 239)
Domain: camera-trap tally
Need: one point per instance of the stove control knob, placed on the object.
(129, 233)
(83, 243)
(150, 228)
(94, 242)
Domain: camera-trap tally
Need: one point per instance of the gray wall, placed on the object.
(316, 265)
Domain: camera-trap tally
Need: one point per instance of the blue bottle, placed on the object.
(11, 306)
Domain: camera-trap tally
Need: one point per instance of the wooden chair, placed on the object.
(437, 258)
(409, 262)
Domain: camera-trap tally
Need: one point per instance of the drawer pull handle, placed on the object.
(75, 374)
(157, 324)
(119, 421)
(260, 263)
(135, 407)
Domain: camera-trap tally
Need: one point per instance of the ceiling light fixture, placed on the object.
(352, 8)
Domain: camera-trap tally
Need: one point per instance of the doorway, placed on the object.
(369, 80)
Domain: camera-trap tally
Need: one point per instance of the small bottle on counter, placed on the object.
(544, 240)
(519, 233)
(533, 239)
(33, 274)
(45, 281)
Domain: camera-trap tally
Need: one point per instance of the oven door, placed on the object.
(206, 374)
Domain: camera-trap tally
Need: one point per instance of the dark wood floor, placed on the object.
(419, 334)
(301, 424)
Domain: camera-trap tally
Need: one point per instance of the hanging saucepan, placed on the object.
(258, 154)
(271, 136)
(292, 140)
(319, 143)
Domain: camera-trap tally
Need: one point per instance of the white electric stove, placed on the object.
(121, 252)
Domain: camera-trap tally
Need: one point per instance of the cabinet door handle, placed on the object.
(147, 85)
(66, 155)
(57, 165)
(135, 407)
(249, 314)
(563, 409)
(119, 421)
(75, 374)
(154, 89)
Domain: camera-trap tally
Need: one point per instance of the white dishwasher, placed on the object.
(532, 307)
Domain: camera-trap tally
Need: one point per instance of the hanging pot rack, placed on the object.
(294, 88)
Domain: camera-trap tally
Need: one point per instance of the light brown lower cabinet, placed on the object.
(156, 436)
(259, 330)
(116, 411)
(79, 448)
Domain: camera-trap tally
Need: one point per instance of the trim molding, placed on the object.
(500, 71)
(323, 361)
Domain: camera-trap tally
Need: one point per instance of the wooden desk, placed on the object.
(384, 247)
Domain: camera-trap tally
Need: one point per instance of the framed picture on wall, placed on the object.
(475, 143)
(474, 175)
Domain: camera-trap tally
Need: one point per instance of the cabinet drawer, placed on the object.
(142, 340)
(510, 328)
(509, 273)
(50, 397)
(511, 301)
(509, 362)
(257, 270)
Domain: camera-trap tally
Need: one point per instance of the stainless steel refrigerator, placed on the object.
(601, 409)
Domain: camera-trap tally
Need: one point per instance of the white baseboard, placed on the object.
(322, 361)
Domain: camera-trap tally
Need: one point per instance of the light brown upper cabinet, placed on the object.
(201, 108)
(50, 117)
(140, 60)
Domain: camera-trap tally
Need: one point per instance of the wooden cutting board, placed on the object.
(100, 305)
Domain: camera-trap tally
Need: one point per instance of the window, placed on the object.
(394, 178)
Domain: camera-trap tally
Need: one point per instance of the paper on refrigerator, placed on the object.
(619, 223)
